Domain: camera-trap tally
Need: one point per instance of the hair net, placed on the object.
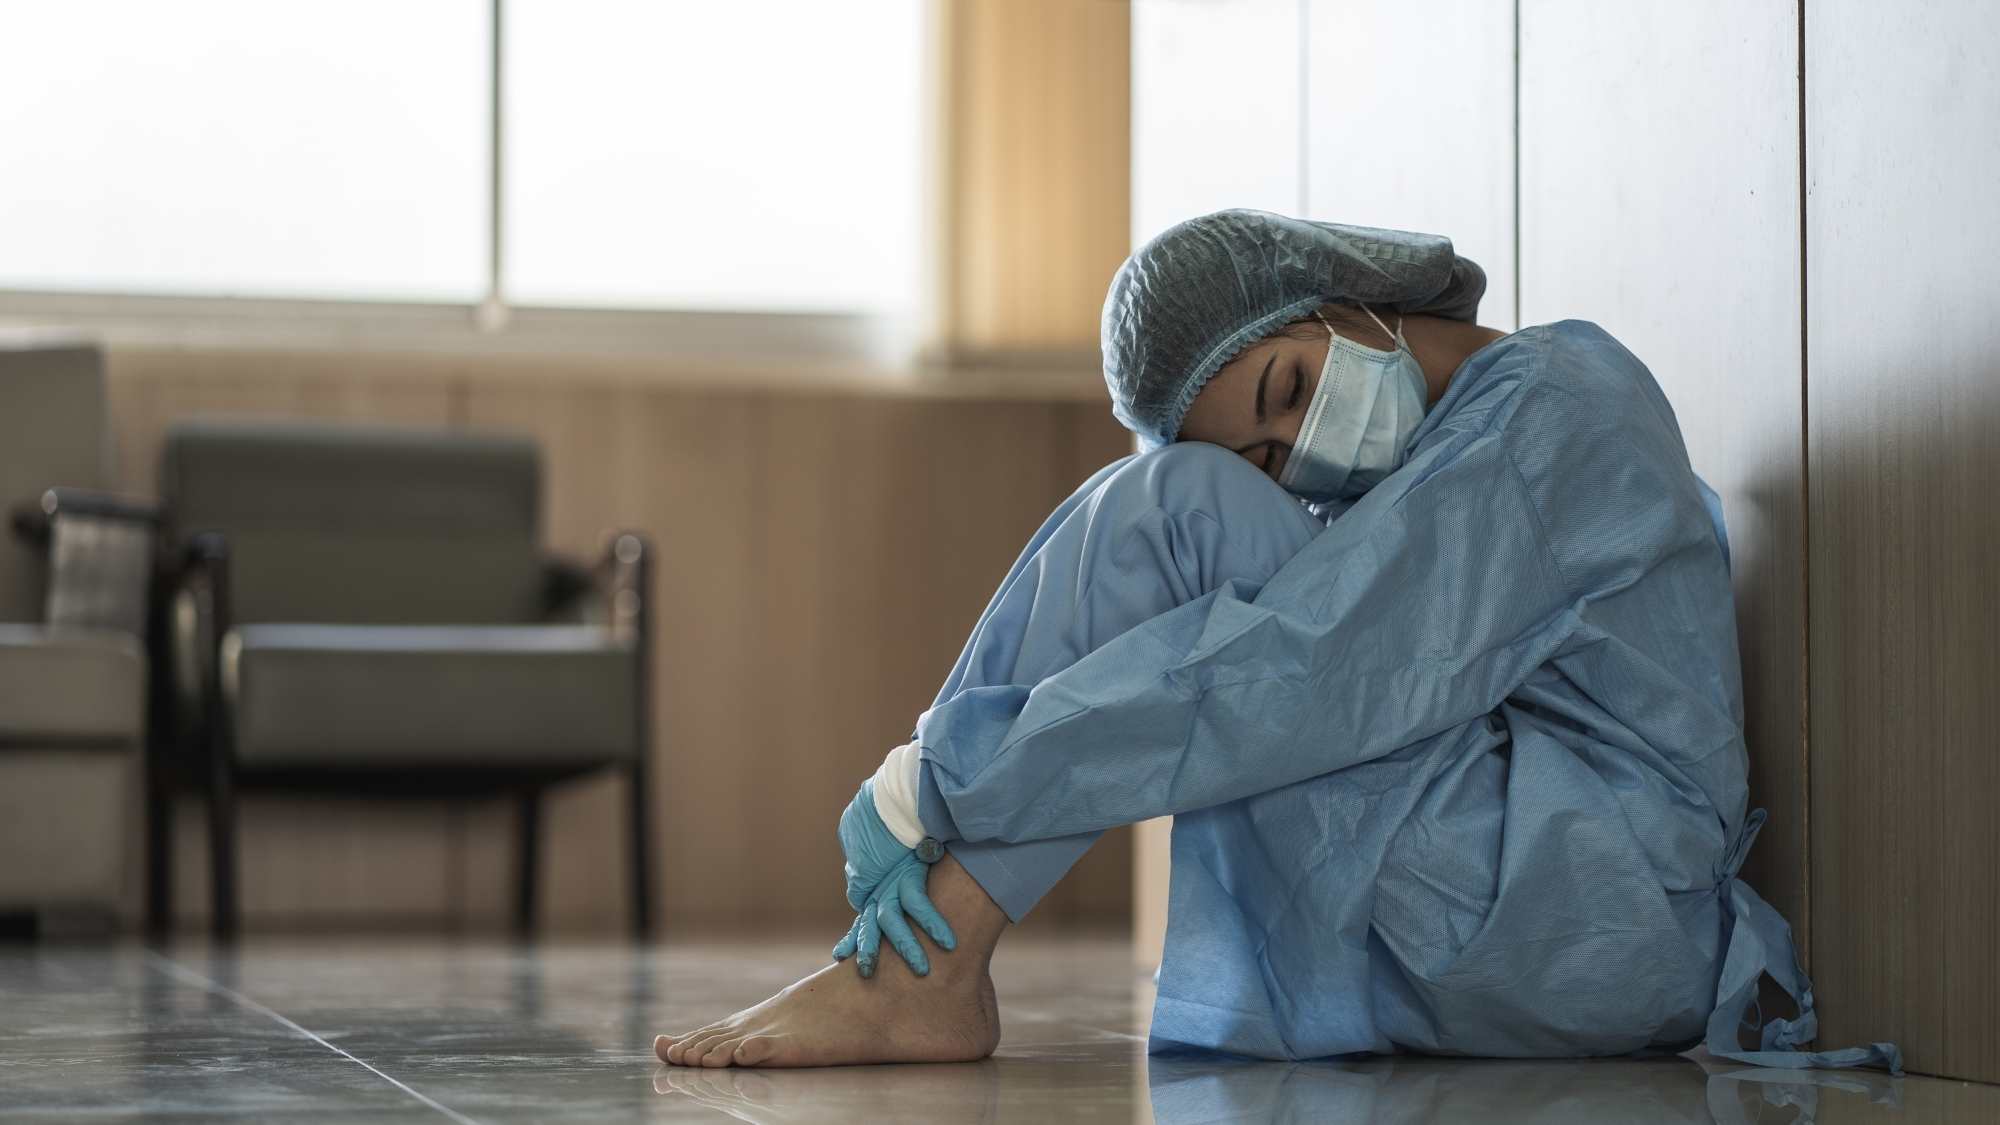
(1187, 302)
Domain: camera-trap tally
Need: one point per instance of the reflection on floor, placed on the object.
(428, 1031)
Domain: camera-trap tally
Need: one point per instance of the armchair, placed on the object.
(367, 611)
(75, 567)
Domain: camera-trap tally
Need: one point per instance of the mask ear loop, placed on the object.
(1396, 337)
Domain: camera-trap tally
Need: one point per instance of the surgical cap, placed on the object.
(1194, 297)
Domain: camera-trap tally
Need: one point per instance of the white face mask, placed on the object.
(1362, 414)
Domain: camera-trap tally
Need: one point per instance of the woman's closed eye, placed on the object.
(1275, 452)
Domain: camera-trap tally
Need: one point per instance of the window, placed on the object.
(702, 155)
(232, 147)
(653, 155)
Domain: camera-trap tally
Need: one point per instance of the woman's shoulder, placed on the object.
(1594, 440)
(1551, 378)
(1572, 340)
(1527, 352)
(1580, 358)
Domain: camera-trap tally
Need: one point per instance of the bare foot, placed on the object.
(835, 1018)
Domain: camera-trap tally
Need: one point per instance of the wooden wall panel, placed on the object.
(821, 557)
(1903, 378)
(150, 388)
(1659, 198)
(1037, 168)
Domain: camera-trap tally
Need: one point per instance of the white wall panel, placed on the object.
(1660, 198)
(1215, 109)
(1409, 124)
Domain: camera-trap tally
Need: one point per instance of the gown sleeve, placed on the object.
(1417, 610)
(1421, 608)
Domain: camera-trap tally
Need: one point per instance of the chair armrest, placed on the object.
(34, 522)
(105, 505)
(198, 619)
(100, 549)
(570, 591)
(627, 568)
(204, 571)
(206, 559)
(611, 593)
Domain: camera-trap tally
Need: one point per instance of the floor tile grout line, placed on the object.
(174, 969)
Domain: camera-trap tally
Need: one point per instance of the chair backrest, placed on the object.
(52, 432)
(341, 524)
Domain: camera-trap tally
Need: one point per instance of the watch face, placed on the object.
(929, 850)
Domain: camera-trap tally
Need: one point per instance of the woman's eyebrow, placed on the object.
(1261, 381)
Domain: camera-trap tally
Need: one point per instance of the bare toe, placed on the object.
(687, 1052)
(720, 1053)
(753, 1050)
(678, 1048)
(700, 1045)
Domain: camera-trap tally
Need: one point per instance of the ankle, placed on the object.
(976, 920)
(959, 969)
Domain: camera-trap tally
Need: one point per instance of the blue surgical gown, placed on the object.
(1465, 775)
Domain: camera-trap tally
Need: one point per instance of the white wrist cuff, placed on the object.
(896, 794)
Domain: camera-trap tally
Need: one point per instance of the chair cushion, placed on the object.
(375, 695)
(71, 685)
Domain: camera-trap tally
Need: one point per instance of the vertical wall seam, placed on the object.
(1305, 103)
(1806, 926)
(491, 313)
(1517, 164)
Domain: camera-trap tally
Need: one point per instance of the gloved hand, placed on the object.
(885, 880)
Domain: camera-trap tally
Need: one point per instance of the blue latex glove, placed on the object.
(885, 880)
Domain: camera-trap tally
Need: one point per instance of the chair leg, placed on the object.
(528, 856)
(222, 847)
(160, 743)
(641, 827)
(159, 850)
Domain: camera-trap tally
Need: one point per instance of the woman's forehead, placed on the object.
(1256, 354)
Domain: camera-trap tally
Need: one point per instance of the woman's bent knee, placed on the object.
(1195, 476)
(1218, 516)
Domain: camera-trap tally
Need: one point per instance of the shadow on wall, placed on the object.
(1904, 634)
(1769, 570)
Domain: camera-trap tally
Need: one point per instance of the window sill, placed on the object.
(777, 351)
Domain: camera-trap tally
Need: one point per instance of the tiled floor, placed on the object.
(440, 1031)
